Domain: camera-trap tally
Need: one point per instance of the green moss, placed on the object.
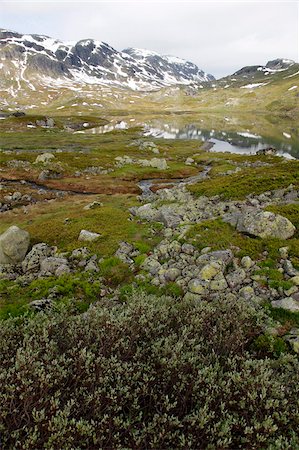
(269, 346)
(115, 272)
(250, 181)
(288, 319)
(220, 236)
(78, 288)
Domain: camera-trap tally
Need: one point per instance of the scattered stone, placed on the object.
(189, 161)
(247, 262)
(268, 151)
(172, 274)
(44, 158)
(289, 268)
(88, 236)
(41, 305)
(93, 205)
(49, 174)
(54, 266)
(36, 255)
(197, 286)
(92, 266)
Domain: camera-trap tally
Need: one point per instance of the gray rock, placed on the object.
(224, 256)
(287, 303)
(172, 274)
(14, 244)
(93, 205)
(61, 270)
(284, 252)
(236, 277)
(197, 286)
(188, 249)
(80, 253)
(151, 265)
(263, 224)
(41, 305)
(247, 262)
(218, 283)
(88, 236)
(33, 259)
(289, 269)
(44, 158)
(92, 266)
(50, 265)
(16, 196)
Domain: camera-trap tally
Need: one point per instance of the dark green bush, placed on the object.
(149, 373)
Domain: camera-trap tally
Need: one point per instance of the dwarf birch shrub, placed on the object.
(151, 373)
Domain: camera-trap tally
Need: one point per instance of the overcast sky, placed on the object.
(220, 37)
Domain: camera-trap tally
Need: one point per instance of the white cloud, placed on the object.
(220, 37)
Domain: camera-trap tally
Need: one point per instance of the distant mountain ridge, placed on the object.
(27, 56)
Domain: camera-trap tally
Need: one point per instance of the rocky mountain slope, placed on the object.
(34, 59)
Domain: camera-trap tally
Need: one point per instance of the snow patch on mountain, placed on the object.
(37, 58)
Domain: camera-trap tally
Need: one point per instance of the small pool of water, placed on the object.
(242, 142)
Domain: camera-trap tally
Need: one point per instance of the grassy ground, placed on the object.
(58, 221)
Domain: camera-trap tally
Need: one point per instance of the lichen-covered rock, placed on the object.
(88, 236)
(36, 255)
(151, 265)
(210, 270)
(218, 283)
(197, 286)
(264, 224)
(14, 244)
(54, 266)
(44, 158)
(287, 303)
(172, 274)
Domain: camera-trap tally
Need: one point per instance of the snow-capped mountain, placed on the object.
(277, 65)
(30, 59)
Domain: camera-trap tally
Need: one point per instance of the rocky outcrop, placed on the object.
(14, 244)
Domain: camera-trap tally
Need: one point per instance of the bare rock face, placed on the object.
(14, 244)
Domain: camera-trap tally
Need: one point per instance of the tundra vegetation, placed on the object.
(164, 316)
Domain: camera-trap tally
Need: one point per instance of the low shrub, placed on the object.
(148, 373)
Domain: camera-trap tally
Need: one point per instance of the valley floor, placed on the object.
(163, 270)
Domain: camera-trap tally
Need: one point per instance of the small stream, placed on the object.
(147, 184)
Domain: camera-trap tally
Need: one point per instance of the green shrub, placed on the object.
(115, 271)
(149, 373)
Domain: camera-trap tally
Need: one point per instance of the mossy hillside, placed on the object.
(250, 181)
(79, 291)
(59, 223)
(273, 97)
(219, 236)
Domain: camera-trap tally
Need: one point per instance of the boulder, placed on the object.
(44, 158)
(287, 303)
(14, 244)
(264, 224)
(159, 163)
